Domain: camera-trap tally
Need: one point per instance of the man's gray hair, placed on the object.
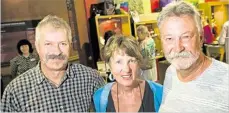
(52, 22)
(180, 8)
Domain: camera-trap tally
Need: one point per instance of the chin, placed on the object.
(56, 65)
(181, 66)
(125, 83)
(183, 63)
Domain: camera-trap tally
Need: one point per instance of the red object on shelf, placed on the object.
(211, 0)
(154, 5)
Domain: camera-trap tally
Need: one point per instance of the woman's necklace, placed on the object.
(140, 97)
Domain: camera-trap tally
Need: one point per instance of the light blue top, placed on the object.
(101, 96)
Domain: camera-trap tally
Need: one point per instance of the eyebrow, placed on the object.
(180, 35)
(58, 42)
(187, 32)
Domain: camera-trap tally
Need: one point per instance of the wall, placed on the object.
(19, 10)
(88, 6)
(82, 24)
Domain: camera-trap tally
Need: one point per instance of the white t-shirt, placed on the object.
(208, 93)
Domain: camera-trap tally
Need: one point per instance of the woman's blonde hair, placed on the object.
(128, 44)
(142, 30)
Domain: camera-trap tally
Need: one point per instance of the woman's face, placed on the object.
(24, 49)
(124, 68)
(141, 37)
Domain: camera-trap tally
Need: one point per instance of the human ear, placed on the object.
(37, 47)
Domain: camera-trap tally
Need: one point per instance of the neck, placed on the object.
(54, 76)
(25, 54)
(195, 70)
(130, 89)
(146, 38)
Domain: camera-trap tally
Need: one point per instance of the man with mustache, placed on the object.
(54, 85)
(193, 82)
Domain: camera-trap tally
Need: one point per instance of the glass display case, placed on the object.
(153, 29)
(217, 11)
(120, 24)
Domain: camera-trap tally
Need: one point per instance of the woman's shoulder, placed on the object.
(105, 88)
(16, 58)
(154, 86)
(150, 40)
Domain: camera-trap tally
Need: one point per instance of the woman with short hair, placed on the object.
(128, 93)
(25, 60)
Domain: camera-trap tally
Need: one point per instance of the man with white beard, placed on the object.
(193, 82)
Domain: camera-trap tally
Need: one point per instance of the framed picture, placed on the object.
(114, 24)
(120, 24)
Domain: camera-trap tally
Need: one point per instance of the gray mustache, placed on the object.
(53, 56)
(176, 55)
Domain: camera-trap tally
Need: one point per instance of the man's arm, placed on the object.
(98, 81)
(9, 101)
(223, 35)
(13, 66)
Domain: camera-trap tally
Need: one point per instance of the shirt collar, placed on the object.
(38, 74)
(69, 71)
(40, 77)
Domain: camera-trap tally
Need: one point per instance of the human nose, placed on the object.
(179, 47)
(57, 49)
(126, 68)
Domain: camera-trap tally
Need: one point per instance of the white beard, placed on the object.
(182, 63)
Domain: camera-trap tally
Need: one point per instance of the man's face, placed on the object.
(180, 41)
(53, 49)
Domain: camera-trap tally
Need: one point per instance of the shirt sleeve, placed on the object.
(14, 67)
(223, 33)
(36, 56)
(9, 101)
(98, 81)
(167, 83)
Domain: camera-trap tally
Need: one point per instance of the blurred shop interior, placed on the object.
(89, 20)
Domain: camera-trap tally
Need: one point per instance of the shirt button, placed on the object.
(61, 107)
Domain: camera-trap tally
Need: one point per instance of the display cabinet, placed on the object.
(120, 24)
(217, 10)
(153, 29)
(98, 25)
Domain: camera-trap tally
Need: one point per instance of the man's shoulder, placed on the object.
(171, 70)
(80, 69)
(23, 80)
(226, 24)
(106, 88)
(15, 58)
(220, 65)
(217, 73)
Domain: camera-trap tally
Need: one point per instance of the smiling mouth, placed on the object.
(126, 76)
(180, 57)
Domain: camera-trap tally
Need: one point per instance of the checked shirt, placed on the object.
(31, 91)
